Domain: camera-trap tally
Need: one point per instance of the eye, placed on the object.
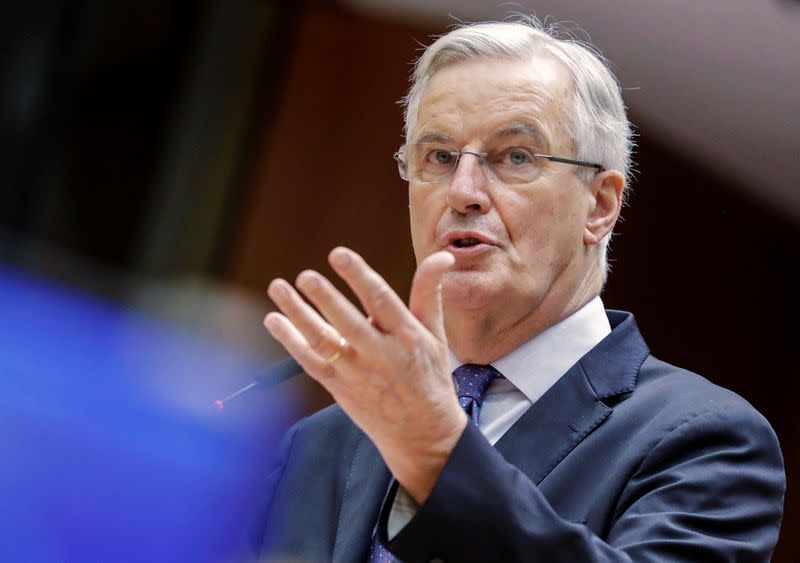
(518, 156)
(442, 156)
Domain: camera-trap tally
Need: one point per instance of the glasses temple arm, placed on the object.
(599, 167)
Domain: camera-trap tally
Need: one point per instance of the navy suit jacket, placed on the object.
(625, 458)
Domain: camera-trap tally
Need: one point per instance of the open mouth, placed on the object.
(465, 242)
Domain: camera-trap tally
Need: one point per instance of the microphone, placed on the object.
(274, 374)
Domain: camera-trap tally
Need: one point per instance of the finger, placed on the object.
(315, 330)
(337, 309)
(425, 301)
(379, 300)
(282, 329)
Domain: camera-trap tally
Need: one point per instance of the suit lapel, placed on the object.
(573, 407)
(366, 486)
(553, 426)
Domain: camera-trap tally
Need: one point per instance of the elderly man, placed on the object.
(564, 440)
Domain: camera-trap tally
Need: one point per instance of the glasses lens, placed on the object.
(430, 162)
(433, 163)
(402, 164)
(515, 165)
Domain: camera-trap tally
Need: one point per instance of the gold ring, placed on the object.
(336, 355)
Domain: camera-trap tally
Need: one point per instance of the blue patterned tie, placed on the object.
(472, 381)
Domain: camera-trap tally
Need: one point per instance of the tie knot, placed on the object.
(472, 380)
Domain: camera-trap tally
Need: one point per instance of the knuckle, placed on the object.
(326, 372)
(382, 297)
(315, 341)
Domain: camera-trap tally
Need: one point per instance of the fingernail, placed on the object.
(278, 288)
(270, 321)
(340, 256)
(307, 279)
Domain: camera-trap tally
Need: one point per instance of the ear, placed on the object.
(606, 189)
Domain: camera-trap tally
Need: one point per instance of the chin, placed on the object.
(470, 289)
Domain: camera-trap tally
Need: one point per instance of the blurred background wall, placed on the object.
(174, 156)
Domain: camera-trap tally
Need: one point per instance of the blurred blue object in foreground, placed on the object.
(111, 447)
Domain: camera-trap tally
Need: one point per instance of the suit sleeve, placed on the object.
(710, 490)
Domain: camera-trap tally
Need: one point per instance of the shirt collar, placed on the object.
(537, 364)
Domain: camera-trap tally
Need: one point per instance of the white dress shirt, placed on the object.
(529, 372)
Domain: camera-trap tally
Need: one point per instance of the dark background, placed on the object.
(175, 156)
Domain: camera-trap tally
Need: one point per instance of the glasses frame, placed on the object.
(402, 164)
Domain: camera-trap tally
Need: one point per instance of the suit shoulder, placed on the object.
(676, 396)
(330, 423)
(330, 415)
(682, 389)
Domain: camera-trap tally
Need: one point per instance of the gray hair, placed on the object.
(597, 122)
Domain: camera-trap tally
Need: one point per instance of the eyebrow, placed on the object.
(435, 137)
(520, 127)
(525, 128)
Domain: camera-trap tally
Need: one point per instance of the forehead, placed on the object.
(475, 99)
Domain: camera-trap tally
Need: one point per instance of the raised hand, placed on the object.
(389, 370)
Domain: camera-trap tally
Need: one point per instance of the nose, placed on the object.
(467, 191)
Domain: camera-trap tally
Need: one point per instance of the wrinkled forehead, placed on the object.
(470, 100)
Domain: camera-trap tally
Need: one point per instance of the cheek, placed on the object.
(422, 217)
(529, 223)
(417, 211)
(542, 232)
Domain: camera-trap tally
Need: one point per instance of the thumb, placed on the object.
(425, 301)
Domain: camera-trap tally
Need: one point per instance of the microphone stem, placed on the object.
(273, 375)
(240, 391)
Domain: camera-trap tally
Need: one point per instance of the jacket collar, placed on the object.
(573, 407)
(613, 365)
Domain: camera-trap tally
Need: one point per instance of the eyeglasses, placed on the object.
(433, 163)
